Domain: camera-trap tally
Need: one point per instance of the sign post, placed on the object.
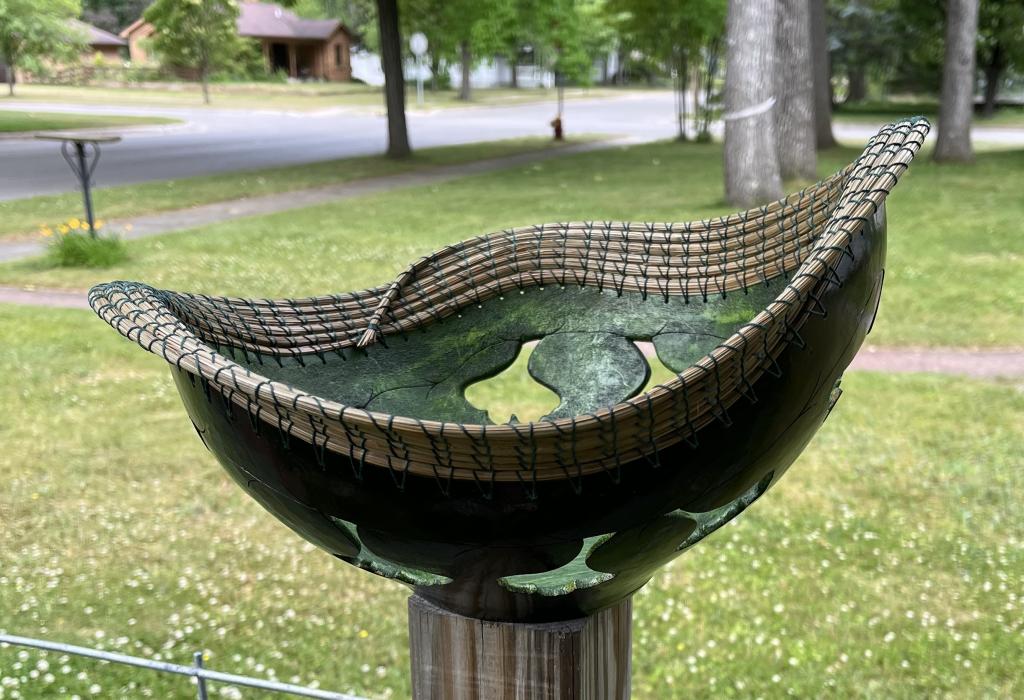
(418, 45)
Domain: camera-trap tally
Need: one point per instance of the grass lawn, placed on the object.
(12, 121)
(882, 112)
(21, 217)
(954, 275)
(285, 96)
(887, 563)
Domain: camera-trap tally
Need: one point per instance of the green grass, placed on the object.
(881, 112)
(954, 273)
(22, 217)
(15, 121)
(81, 250)
(887, 563)
(303, 97)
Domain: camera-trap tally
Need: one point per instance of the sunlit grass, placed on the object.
(954, 274)
(13, 121)
(888, 561)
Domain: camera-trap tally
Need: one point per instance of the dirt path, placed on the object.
(984, 363)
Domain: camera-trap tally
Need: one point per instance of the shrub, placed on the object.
(72, 246)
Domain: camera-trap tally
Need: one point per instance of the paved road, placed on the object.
(217, 140)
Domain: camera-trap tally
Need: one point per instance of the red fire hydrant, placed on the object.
(556, 124)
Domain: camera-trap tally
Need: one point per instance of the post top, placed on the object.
(78, 137)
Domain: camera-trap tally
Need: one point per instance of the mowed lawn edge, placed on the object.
(306, 97)
(16, 122)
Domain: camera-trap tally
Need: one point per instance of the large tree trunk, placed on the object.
(751, 161)
(394, 80)
(512, 64)
(822, 68)
(466, 61)
(957, 101)
(794, 90)
(993, 75)
(10, 80)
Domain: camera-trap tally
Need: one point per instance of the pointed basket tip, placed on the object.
(369, 337)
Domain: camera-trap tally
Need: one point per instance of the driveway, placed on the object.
(221, 140)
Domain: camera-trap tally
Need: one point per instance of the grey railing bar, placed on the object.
(197, 672)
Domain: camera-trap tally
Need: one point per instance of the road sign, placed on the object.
(418, 44)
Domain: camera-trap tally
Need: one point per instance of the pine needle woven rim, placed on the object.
(804, 237)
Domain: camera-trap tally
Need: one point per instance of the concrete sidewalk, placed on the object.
(183, 219)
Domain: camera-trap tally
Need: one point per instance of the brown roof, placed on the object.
(257, 19)
(95, 36)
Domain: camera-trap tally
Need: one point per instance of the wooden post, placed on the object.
(461, 658)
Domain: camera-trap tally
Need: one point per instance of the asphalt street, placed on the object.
(215, 140)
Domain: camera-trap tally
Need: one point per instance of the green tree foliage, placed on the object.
(197, 34)
(678, 35)
(558, 37)
(504, 31)
(113, 15)
(453, 29)
(359, 16)
(898, 44)
(34, 30)
(867, 38)
(564, 36)
(1000, 45)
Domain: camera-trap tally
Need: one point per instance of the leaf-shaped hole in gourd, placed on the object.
(660, 373)
(513, 392)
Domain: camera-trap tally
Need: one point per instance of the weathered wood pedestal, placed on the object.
(462, 658)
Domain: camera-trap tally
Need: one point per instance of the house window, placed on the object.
(337, 55)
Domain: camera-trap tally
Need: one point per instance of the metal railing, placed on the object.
(202, 675)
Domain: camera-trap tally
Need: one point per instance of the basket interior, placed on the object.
(587, 353)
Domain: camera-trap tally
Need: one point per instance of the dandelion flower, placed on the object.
(363, 634)
(64, 228)
(74, 223)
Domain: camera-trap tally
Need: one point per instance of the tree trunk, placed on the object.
(956, 105)
(710, 71)
(204, 80)
(993, 75)
(435, 71)
(515, 71)
(822, 68)
(10, 80)
(751, 161)
(394, 80)
(466, 61)
(858, 91)
(682, 82)
(794, 90)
